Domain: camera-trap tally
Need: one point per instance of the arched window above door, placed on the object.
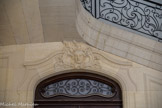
(78, 88)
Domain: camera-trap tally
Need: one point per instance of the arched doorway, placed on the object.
(78, 90)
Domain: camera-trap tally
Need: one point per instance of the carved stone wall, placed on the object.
(22, 67)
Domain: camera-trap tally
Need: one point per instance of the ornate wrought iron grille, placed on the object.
(78, 88)
(143, 17)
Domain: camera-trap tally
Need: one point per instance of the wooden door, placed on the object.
(79, 106)
(78, 90)
(59, 106)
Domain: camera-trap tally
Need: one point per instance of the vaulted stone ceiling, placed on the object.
(35, 21)
(58, 20)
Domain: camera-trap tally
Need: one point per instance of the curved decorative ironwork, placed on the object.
(87, 4)
(142, 17)
(78, 88)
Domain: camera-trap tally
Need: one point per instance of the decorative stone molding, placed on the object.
(75, 55)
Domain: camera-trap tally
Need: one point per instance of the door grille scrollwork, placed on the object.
(78, 88)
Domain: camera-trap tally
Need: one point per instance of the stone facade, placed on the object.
(22, 67)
